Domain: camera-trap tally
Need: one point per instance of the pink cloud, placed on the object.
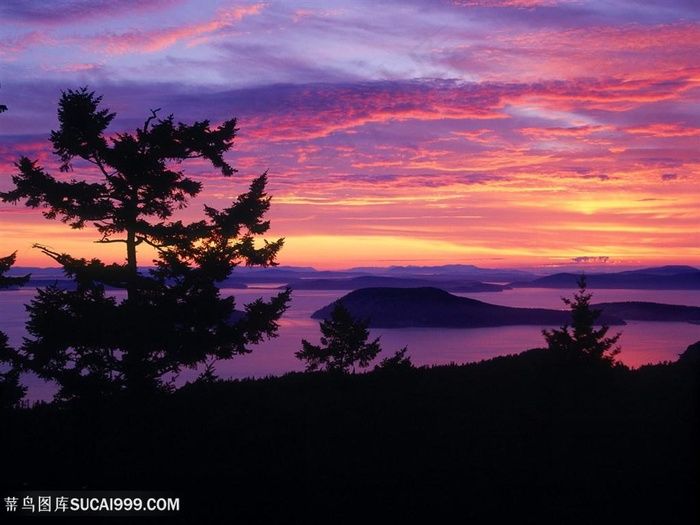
(557, 132)
(72, 67)
(631, 50)
(522, 4)
(156, 40)
(11, 47)
(319, 111)
(664, 130)
(481, 136)
(615, 94)
(630, 37)
(305, 13)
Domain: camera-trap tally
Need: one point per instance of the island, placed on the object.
(433, 307)
(648, 311)
(386, 307)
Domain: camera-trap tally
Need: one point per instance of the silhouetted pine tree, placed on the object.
(582, 338)
(173, 316)
(343, 344)
(11, 391)
(399, 362)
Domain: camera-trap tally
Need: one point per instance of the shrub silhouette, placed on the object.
(582, 339)
(343, 344)
(173, 316)
(398, 362)
(11, 391)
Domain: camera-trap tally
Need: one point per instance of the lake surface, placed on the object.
(642, 342)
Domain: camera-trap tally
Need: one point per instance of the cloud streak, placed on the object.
(159, 39)
(53, 12)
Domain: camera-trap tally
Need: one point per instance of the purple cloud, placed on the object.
(52, 12)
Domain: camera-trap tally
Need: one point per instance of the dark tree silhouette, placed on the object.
(173, 316)
(11, 391)
(582, 338)
(398, 362)
(343, 344)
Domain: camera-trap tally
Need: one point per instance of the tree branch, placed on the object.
(154, 115)
(109, 241)
(46, 251)
(159, 247)
(97, 162)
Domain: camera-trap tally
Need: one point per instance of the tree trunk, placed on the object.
(131, 263)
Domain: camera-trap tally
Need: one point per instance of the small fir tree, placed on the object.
(344, 344)
(582, 338)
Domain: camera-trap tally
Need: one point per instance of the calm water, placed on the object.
(642, 342)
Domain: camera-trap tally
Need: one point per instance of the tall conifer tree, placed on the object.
(173, 315)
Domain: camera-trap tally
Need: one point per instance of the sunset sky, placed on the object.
(490, 132)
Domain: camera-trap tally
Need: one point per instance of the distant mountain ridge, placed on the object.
(451, 277)
(671, 269)
(658, 278)
(372, 281)
(461, 271)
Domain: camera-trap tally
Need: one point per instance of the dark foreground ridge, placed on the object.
(532, 438)
(432, 307)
